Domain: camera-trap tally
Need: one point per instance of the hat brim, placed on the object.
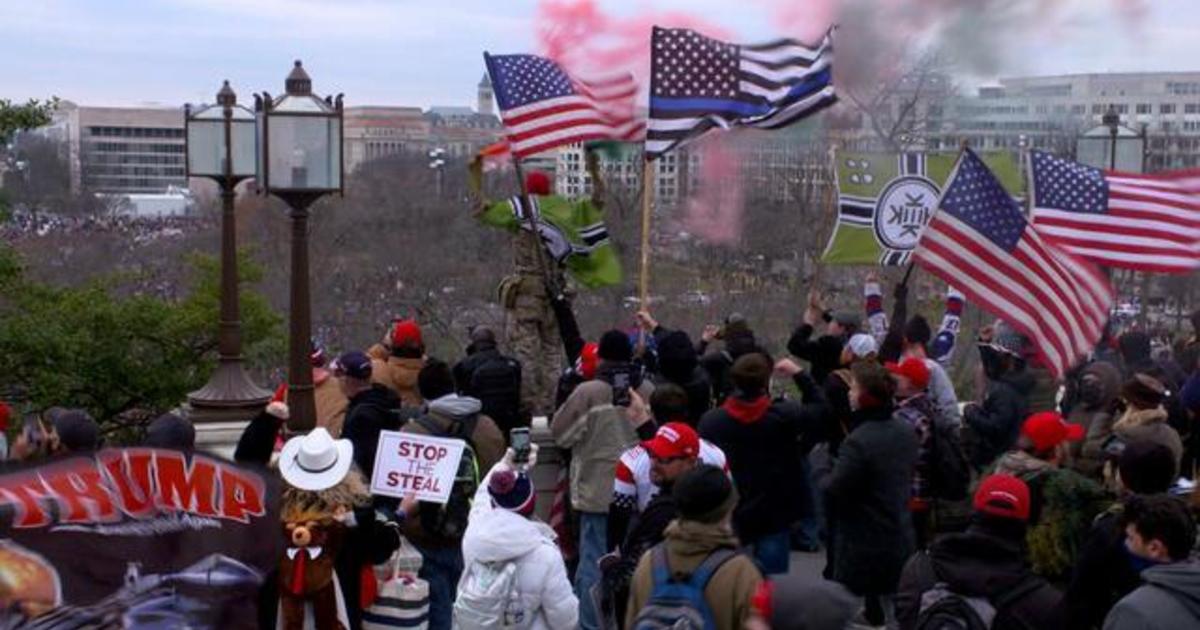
(297, 477)
(656, 449)
(1075, 432)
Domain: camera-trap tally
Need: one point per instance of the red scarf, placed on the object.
(746, 411)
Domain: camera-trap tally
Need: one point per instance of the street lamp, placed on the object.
(437, 164)
(299, 161)
(221, 146)
(1112, 120)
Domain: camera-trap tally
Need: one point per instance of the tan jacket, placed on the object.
(400, 376)
(596, 432)
(331, 402)
(1149, 425)
(688, 543)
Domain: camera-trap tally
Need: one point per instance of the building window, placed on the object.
(1097, 108)
(1143, 108)
(1166, 108)
(1078, 109)
(1191, 108)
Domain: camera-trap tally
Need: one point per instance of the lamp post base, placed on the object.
(228, 396)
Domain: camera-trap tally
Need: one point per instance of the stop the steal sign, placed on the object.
(410, 463)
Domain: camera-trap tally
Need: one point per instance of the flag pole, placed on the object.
(647, 204)
(550, 286)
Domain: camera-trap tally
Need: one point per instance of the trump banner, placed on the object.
(135, 537)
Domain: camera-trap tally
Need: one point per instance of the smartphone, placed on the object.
(518, 439)
(620, 389)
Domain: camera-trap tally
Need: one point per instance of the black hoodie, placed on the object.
(987, 560)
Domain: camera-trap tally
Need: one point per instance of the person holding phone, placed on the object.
(599, 421)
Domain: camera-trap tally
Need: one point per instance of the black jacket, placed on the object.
(995, 424)
(369, 412)
(760, 439)
(824, 354)
(866, 497)
(1102, 575)
(501, 398)
(987, 560)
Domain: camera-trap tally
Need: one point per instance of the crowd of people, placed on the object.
(22, 225)
(694, 469)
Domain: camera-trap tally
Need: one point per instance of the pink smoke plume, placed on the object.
(588, 41)
(713, 213)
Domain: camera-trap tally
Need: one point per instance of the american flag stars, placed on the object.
(531, 78)
(688, 64)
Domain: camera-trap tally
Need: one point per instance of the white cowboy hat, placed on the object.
(315, 461)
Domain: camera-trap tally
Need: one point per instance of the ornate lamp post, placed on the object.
(221, 146)
(299, 161)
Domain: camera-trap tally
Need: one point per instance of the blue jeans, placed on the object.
(772, 553)
(593, 543)
(441, 568)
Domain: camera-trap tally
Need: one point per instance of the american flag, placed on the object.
(543, 107)
(698, 84)
(980, 242)
(1128, 220)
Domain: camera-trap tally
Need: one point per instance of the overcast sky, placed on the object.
(427, 52)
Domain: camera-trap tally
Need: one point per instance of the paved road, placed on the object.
(812, 564)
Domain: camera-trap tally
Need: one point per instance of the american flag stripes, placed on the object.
(543, 107)
(980, 242)
(698, 84)
(1127, 220)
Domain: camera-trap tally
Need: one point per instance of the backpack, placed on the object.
(497, 384)
(449, 521)
(944, 609)
(488, 598)
(676, 599)
(951, 472)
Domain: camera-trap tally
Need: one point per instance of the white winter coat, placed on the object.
(495, 535)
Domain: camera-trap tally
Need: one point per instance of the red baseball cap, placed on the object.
(406, 333)
(913, 369)
(673, 439)
(588, 361)
(1004, 496)
(1048, 429)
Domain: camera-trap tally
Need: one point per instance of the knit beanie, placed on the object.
(704, 494)
(615, 347)
(512, 491)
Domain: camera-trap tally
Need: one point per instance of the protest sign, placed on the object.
(407, 463)
(149, 536)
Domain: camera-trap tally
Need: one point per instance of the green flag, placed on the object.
(885, 200)
(573, 232)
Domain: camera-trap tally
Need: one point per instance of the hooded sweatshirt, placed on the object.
(451, 413)
(985, 561)
(688, 543)
(543, 588)
(1169, 599)
(1096, 416)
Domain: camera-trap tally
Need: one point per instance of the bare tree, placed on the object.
(900, 111)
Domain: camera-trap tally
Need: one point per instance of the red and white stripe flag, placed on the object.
(544, 108)
(1126, 220)
(980, 242)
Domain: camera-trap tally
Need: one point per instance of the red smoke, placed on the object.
(589, 42)
(714, 212)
